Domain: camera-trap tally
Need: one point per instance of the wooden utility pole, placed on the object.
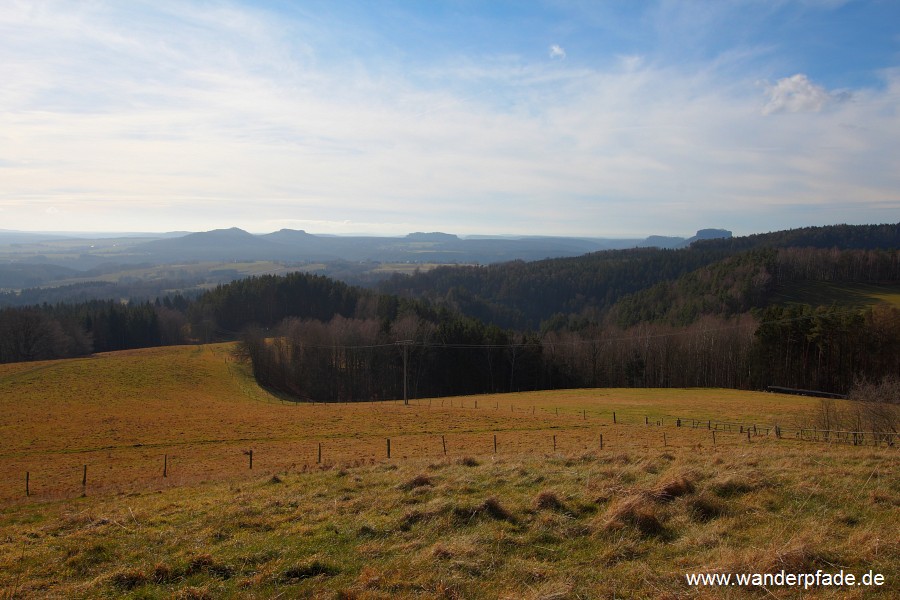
(405, 344)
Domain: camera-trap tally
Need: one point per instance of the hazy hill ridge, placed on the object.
(525, 294)
(296, 245)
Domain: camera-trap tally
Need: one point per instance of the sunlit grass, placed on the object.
(194, 409)
(568, 525)
(549, 514)
(851, 295)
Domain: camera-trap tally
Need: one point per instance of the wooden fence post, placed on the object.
(251, 459)
(444, 443)
(554, 443)
(388, 447)
(27, 483)
(614, 417)
(714, 438)
(165, 465)
(601, 441)
(495, 443)
(319, 460)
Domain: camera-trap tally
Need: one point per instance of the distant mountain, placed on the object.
(418, 247)
(661, 241)
(435, 236)
(218, 244)
(709, 234)
(290, 236)
(296, 246)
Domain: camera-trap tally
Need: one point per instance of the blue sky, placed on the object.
(583, 118)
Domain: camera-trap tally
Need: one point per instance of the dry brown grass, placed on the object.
(122, 413)
(548, 500)
(497, 529)
(581, 522)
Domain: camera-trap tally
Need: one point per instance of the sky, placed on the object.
(566, 117)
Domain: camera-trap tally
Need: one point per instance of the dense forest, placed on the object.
(523, 295)
(707, 315)
(747, 281)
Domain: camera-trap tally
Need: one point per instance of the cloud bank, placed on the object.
(189, 117)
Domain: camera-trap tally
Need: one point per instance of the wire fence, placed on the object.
(140, 468)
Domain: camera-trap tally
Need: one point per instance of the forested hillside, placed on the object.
(525, 295)
(704, 316)
(748, 280)
(521, 295)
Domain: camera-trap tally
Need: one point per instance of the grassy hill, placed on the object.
(547, 514)
(823, 293)
(126, 413)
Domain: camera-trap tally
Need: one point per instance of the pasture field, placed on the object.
(547, 514)
(125, 414)
(851, 295)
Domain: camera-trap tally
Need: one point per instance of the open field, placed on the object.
(852, 295)
(124, 414)
(549, 514)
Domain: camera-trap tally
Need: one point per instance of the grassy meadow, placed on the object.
(851, 295)
(549, 514)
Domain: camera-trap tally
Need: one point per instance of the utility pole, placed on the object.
(405, 344)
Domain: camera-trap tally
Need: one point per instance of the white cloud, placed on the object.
(189, 127)
(557, 51)
(798, 94)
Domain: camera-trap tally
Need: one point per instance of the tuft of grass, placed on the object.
(548, 500)
(90, 558)
(205, 563)
(733, 485)
(193, 593)
(129, 579)
(468, 461)
(313, 568)
(421, 480)
(636, 511)
(162, 573)
(706, 507)
(673, 487)
(490, 507)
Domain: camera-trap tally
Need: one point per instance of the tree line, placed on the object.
(526, 295)
(709, 325)
(349, 359)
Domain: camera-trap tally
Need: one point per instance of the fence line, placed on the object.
(620, 435)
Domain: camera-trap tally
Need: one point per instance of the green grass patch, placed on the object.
(850, 295)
